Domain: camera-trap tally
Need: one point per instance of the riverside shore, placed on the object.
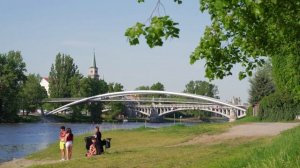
(205, 139)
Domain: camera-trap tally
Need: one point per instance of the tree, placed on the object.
(143, 88)
(160, 27)
(157, 86)
(74, 85)
(12, 76)
(32, 93)
(202, 88)
(116, 108)
(60, 76)
(115, 87)
(91, 87)
(243, 32)
(261, 84)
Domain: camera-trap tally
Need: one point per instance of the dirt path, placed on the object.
(252, 130)
(21, 163)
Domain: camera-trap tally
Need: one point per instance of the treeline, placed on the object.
(23, 93)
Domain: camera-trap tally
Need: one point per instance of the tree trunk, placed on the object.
(42, 111)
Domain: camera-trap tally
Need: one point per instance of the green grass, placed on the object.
(146, 147)
(248, 119)
(282, 151)
(134, 141)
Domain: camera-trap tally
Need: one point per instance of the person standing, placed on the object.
(69, 143)
(62, 135)
(98, 136)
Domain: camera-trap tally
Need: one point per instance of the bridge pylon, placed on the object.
(232, 115)
(154, 117)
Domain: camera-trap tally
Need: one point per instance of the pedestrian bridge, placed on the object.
(164, 103)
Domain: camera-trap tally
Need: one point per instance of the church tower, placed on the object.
(93, 70)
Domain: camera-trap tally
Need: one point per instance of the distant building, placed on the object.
(93, 70)
(235, 101)
(45, 83)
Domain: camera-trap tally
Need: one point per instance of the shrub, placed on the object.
(249, 111)
(278, 106)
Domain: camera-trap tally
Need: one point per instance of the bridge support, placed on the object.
(154, 117)
(232, 115)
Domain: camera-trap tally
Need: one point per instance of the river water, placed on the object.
(19, 140)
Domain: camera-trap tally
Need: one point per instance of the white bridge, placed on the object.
(172, 102)
(163, 109)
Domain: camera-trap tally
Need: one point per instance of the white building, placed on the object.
(45, 83)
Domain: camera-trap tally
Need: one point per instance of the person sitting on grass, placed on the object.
(93, 150)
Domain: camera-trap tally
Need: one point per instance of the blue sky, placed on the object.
(42, 28)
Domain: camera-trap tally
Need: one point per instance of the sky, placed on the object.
(40, 29)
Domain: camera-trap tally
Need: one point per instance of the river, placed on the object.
(19, 140)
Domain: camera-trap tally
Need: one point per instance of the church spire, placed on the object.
(94, 63)
(93, 70)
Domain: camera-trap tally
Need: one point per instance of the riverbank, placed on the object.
(205, 145)
(87, 119)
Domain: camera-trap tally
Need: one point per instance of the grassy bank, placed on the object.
(139, 143)
(29, 118)
(146, 147)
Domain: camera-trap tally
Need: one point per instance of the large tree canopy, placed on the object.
(91, 87)
(115, 87)
(12, 76)
(32, 93)
(61, 75)
(202, 88)
(244, 32)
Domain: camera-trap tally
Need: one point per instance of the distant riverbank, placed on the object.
(87, 119)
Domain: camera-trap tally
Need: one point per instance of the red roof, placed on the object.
(46, 78)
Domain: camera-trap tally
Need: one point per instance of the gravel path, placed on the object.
(252, 130)
(21, 163)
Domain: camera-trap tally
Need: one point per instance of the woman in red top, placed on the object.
(69, 143)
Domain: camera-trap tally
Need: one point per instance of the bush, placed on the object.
(249, 111)
(278, 106)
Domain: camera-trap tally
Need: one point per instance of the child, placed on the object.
(62, 135)
(92, 151)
